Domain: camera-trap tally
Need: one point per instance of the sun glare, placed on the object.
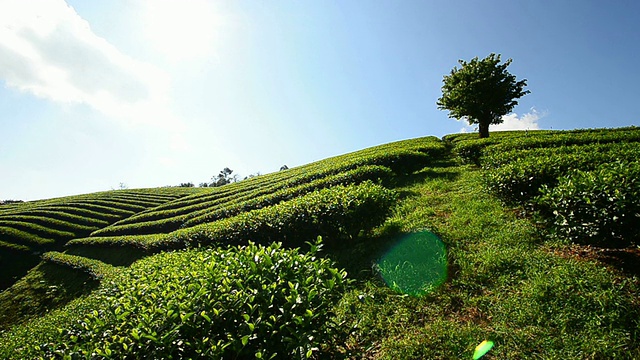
(180, 30)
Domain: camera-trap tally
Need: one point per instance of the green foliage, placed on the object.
(21, 237)
(600, 206)
(96, 269)
(481, 91)
(242, 203)
(335, 213)
(474, 150)
(29, 228)
(246, 302)
(45, 287)
(520, 178)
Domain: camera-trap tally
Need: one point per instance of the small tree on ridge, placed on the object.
(481, 91)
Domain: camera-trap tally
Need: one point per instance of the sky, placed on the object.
(95, 95)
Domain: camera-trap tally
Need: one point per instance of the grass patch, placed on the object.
(503, 285)
(45, 287)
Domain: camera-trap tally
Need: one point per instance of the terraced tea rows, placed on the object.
(584, 184)
(233, 287)
(377, 163)
(31, 228)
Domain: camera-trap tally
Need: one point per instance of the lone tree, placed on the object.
(481, 91)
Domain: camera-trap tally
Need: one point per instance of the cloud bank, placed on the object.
(527, 121)
(48, 50)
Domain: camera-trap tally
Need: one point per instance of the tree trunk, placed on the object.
(483, 127)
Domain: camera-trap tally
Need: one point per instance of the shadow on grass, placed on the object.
(445, 170)
(116, 256)
(626, 260)
(410, 262)
(45, 287)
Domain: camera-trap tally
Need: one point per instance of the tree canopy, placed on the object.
(481, 92)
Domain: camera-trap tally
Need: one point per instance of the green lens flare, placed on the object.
(482, 349)
(416, 265)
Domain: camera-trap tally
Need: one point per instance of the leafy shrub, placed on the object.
(355, 176)
(245, 302)
(474, 151)
(96, 269)
(248, 202)
(521, 179)
(600, 206)
(22, 237)
(335, 213)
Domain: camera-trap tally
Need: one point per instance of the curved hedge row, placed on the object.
(471, 151)
(521, 180)
(401, 157)
(334, 213)
(95, 268)
(251, 201)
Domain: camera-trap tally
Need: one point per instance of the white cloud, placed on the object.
(48, 50)
(528, 121)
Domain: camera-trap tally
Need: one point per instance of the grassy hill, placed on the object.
(429, 246)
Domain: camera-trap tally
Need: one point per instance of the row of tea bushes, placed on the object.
(520, 178)
(601, 206)
(334, 213)
(30, 228)
(243, 302)
(253, 200)
(473, 150)
(585, 193)
(56, 221)
(95, 268)
(401, 157)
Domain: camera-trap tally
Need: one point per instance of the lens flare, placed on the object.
(416, 265)
(482, 349)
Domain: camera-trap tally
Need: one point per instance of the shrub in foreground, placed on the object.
(242, 302)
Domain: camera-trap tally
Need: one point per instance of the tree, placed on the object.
(223, 178)
(481, 92)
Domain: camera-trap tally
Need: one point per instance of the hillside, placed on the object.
(428, 248)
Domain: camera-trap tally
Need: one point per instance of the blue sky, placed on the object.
(158, 92)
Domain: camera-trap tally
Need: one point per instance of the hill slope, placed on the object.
(513, 260)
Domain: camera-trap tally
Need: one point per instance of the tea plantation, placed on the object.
(527, 239)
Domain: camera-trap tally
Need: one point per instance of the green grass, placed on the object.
(503, 285)
(496, 275)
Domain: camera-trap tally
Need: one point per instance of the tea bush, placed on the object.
(96, 269)
(248, 202)
(245, 302)
(335, 213)
(521, 179)
(474, 150)
(600, 206)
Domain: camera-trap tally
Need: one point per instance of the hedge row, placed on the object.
(251, 201)
(471, 151)
(402, 157)
(4, 246)
(56, 224)
(38, 230)
(368, 172)
(334, 213)
(238, 303)
(601, 206)
(521, 180)
(20, 237)
(95, 268)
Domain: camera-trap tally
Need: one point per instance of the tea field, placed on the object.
(415, 249)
